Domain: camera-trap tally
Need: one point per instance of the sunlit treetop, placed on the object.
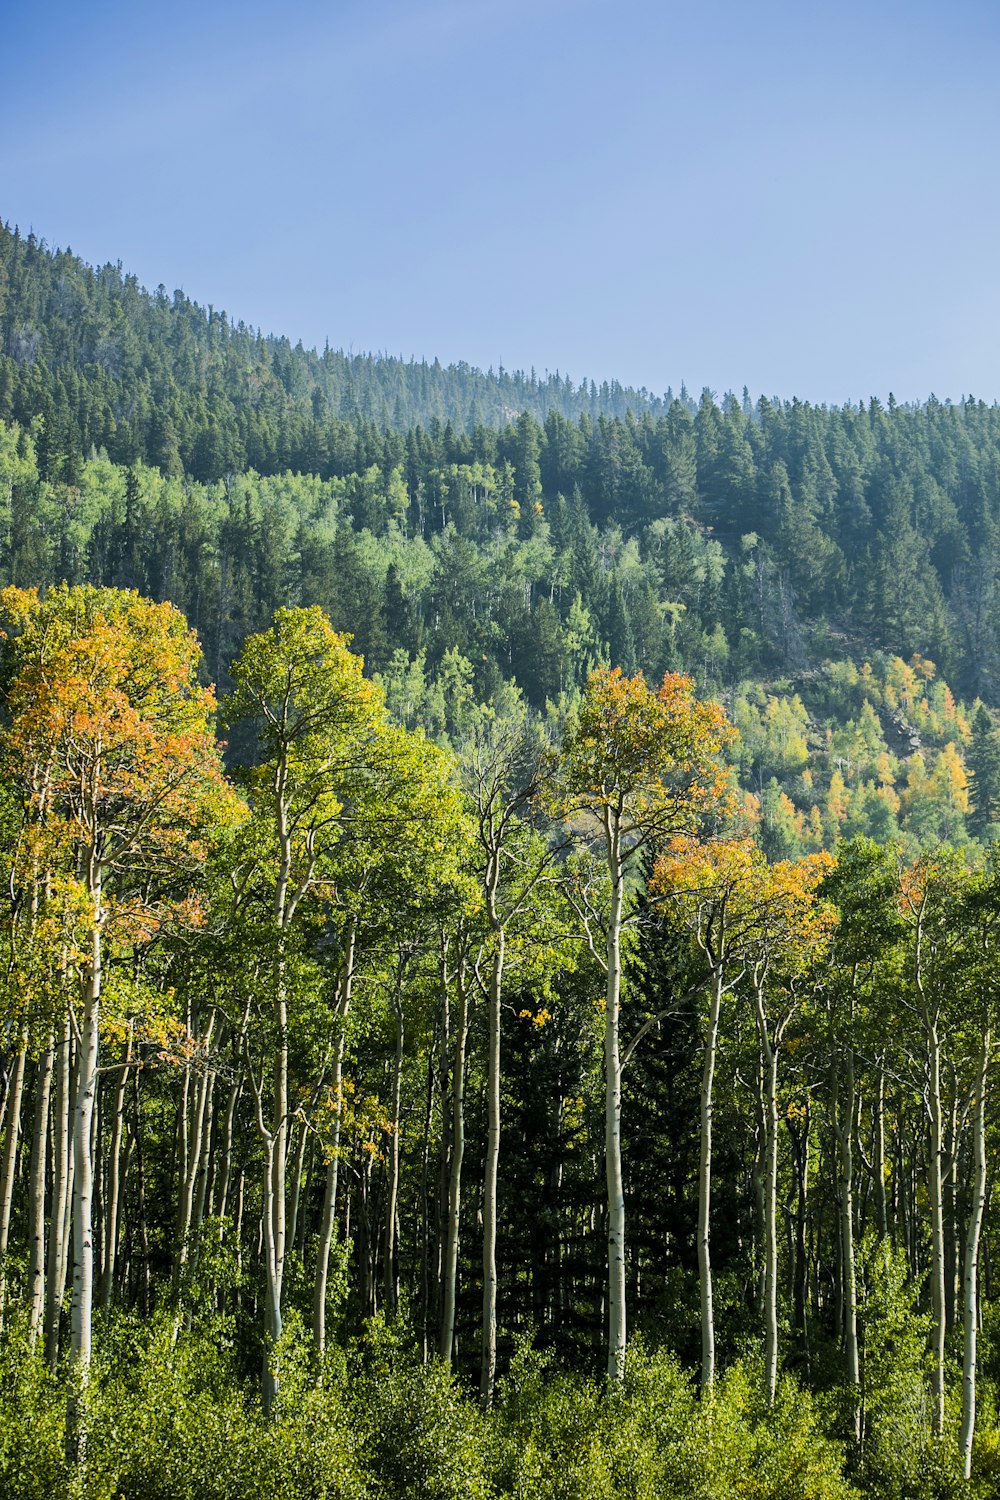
(725, 885)
(647, 757)
(110, 737)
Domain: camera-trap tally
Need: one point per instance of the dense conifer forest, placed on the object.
(500, 925)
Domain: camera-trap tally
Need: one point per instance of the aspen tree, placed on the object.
(104, 691)
(930, 902)
(978, 981)
(315, 714)
(865, 940)
(354, 814)
(637, 765)
(789, 934)
(709, 884)
(503, 770)
(400, 871)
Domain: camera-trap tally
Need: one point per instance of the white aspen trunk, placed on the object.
(276, 1148)
(769, 1078)
(455, 1180)
(140, 1196)
(878, 1155)
(36, 1227)
(238, 1230)
(192, 1165)
(61, 1192)
(970, 1297)
(81, 1322)
(935, 1185)
(12, 1135)
(183, 1132)
(272, 1295)
(111, 1207)
(843, 1125)
(425, 1225)
(705, 1186)
(491, 1169)
(617, 1327)
(201, 1196)
(444, 1153)
(952, 1228)
(323, 1257)
(301, 1143)
(771, 1232)
(800, 1284)
(329, 1218)
(221, 1191)
(390, 1277)
(758, 1172)
(202, 1168)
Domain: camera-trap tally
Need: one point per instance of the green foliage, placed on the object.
(169, 1421)
(899, 1458)
(32, 1423)
(560, 1437)
(419, 1434)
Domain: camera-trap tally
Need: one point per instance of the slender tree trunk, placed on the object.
(455, 1181)
(272, 1234)
(491, 1165)
(329, 1218)
(878, 1155)
(36, 1228)
(192, 1158)
(62, 1168)
(390, 1269)
(221, 1190)
(705, 1186)
(617, 1326)
(83, 1190)
(843, 1125)
(935, 1182)
(113, 1195)
(300, 1158)
(769, 1074)
(425, 1212)
(952, 1225)
(758, 1172)
(12, 1136)
(205, 1168)
(140, 1186)
(276, 1142)
(800, 1283)
(970, 1298)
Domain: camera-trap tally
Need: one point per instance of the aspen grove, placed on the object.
(386, 1114)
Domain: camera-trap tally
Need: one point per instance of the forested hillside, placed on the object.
(492, 869)
(157, 377)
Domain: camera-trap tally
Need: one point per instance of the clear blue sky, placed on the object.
(799, 197)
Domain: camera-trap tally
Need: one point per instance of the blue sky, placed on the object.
(797, 197)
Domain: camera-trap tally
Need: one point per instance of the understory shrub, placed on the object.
(558, 1437)
(419, 1435)
(170, 1415)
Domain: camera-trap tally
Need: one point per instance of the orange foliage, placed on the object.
(112, 749)
(648, 756)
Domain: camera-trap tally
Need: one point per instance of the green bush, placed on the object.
(420, 1436)
(32, 1424)
(742, 1450)
(900, 1459)
(171, 1417)
(167, 1420)
(558, 1437)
